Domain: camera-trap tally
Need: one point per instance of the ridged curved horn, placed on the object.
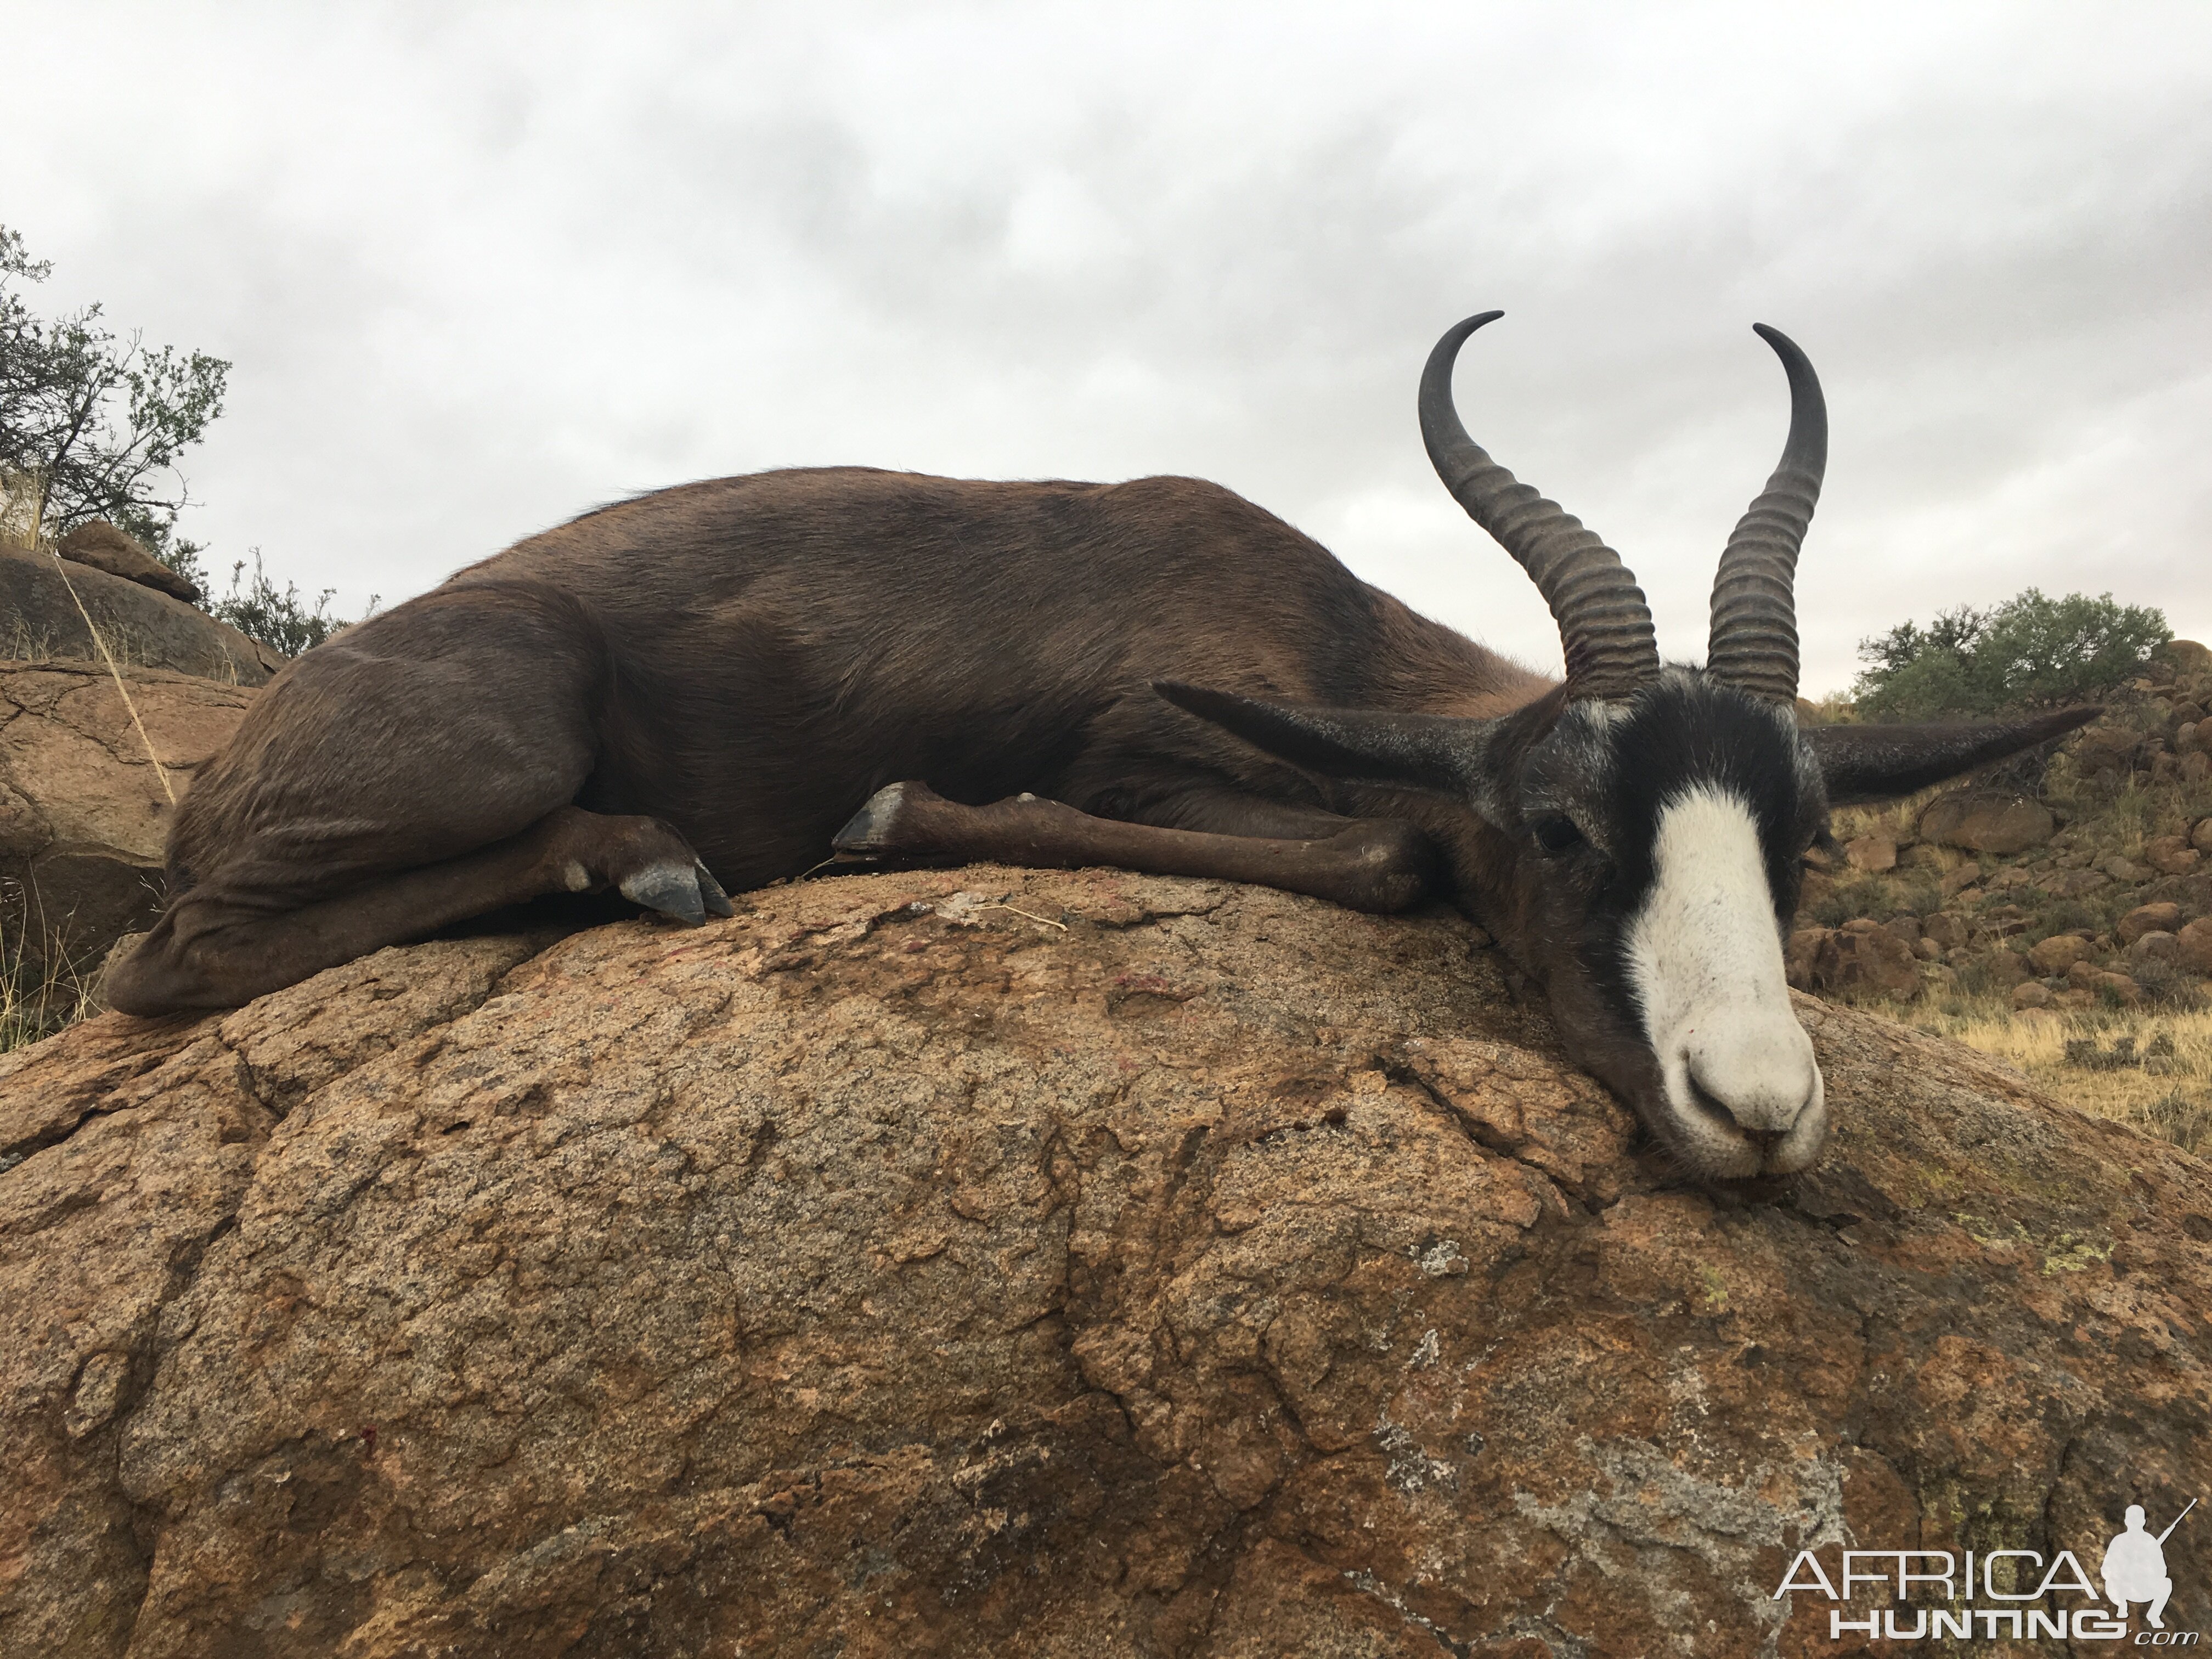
(1754, 642)
(1605, 626)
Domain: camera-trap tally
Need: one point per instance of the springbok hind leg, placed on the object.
(1364, 863)
(209, 953)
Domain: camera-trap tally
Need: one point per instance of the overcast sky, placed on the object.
(478, 267)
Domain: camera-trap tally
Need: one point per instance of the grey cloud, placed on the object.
(480, 269)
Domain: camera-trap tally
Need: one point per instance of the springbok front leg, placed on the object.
(210, 952)
(1364, 863)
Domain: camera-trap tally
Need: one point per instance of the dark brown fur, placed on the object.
(733, 670)
(748, 660)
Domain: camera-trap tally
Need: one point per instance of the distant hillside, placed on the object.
(2058, 912)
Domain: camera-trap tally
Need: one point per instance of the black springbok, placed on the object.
(713, 686)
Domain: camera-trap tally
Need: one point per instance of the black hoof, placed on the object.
(671, 888)
(710, 890)
(875, 827)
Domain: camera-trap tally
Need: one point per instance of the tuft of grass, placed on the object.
(2151, 1068)
(39, 995)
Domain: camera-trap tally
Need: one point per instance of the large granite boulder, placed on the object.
(143, 628)
(82, 810)
(990, 1261)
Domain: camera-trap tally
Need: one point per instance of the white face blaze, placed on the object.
(1704, 957)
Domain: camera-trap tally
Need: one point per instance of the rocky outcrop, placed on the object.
(143, 628)
(995, 1261)
(82, 811)
(102, 545)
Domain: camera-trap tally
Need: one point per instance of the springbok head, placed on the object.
(1649, 823)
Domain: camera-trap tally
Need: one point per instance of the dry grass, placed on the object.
(39, 998)
(2151, 1068)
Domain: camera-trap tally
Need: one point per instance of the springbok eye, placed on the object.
(1556, 833)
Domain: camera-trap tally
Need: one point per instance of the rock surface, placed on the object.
(1871, 852)
(104, 547)
(1862, 958)
(986, 1261)
(82, 811)
(38, 620)
(1987, 821)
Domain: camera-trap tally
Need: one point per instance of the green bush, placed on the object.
(2029, 650)
(283, 621)
(92, 424)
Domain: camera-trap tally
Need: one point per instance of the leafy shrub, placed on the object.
(283, 621)
(2032, 649)
(92, 424)
(2061, 916)
(1853, 896)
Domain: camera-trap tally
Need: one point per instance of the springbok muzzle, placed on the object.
(1742, 1090)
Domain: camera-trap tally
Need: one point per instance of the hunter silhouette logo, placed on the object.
(2000, 1594)
(2135, 1566)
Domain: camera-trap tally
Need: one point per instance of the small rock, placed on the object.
(2147, 917)
(1907, 927)
(1987, 821)
(2171, 855)
(2201, 837)
(2057, 953)
(1947, 927)
(2074, 998)
(2029, 995)
(2105, 749)
(1964, 876)
(2084, 975)
(1871, 853)
(2195, 943)
(1809, 959)
(2007, 967)
(1927, 950)
(2121, 987)
(1874, 962)
(2072, 884)
(2196, 768)
(1861, 958)
(102, 545)
(2119, 869)
(2156, 945)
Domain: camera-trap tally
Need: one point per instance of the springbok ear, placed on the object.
(1356, 745)
(1880, 763)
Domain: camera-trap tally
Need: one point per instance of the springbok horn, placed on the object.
(1754, 642)
(1604, 624)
